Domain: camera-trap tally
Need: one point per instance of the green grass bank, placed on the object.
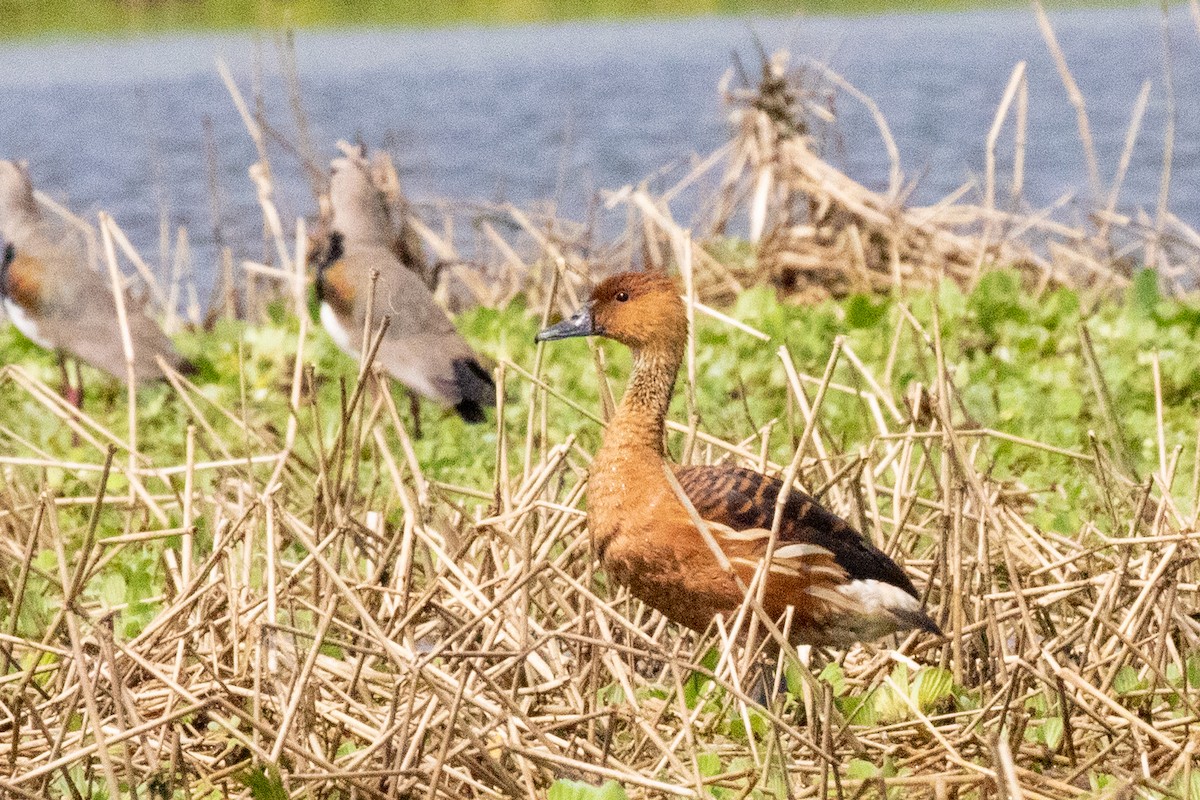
(25, 18)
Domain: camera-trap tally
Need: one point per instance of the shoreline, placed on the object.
(114, 20)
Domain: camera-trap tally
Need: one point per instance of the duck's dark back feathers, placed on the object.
(744, 499)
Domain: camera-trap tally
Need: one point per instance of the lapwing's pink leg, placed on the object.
(65, 377)
(78, 400)
(414, 405)
(65, 389)
(72, 394)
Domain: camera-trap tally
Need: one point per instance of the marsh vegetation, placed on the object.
(255, 582)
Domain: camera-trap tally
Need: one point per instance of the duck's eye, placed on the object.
(622, 297)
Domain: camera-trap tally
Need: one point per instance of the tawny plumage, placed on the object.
(842, 589)
(421, 348)
(57, 301)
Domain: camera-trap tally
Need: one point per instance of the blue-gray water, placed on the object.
(535, 112)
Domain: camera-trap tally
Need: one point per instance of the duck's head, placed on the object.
(637, 309)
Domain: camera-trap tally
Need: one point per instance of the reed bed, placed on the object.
(332, 619)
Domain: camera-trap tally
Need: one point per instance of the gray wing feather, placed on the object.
(421, 344)
(80, 316)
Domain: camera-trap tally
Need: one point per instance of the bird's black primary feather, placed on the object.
(744, 499)
(10, 253)
(471, 412)
(476, 387)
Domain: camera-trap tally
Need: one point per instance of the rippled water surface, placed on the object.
(561, 111)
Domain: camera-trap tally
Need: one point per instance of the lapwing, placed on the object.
(57, 301)
(421, 348)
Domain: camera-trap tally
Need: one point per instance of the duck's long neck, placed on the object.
(640, 420)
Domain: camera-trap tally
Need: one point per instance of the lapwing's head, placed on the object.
(17, 203)
(358, 205)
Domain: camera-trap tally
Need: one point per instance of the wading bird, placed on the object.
(59, 303)
(421, 348)
(841, 588)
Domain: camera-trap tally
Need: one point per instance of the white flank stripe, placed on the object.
(748, 535)
(801, 550)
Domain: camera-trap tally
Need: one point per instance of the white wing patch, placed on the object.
(337, 332)
(801, 550)
(25, 324)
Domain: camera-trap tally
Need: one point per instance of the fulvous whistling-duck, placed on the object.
(421, 347)
(841, 587)
(58, 302)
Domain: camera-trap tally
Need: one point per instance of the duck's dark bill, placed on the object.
(578, 324)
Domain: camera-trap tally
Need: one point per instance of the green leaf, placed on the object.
(865, 311)
(860, 709)
(1189, 790)
(931, 686)
(1052, 732)
(313, 302)
(758, 725)
(1193, 672)
(1126, 681)
(264, 784)
(112, 589)
(835, 676)
(775, 784)
(611, 695)
(1144, 294)
(860, 770)
(997, 299)
(563, 789)
(708, 764)
(889, 702)
(698, 682)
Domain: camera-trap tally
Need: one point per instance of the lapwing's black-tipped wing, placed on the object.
(10, 253)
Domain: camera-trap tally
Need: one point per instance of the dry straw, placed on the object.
(440, 641)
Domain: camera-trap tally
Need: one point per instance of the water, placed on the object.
(537, 112)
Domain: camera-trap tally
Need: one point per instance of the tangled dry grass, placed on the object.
(335, 613)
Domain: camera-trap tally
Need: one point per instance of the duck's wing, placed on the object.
(821, 564)
(744, 500)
